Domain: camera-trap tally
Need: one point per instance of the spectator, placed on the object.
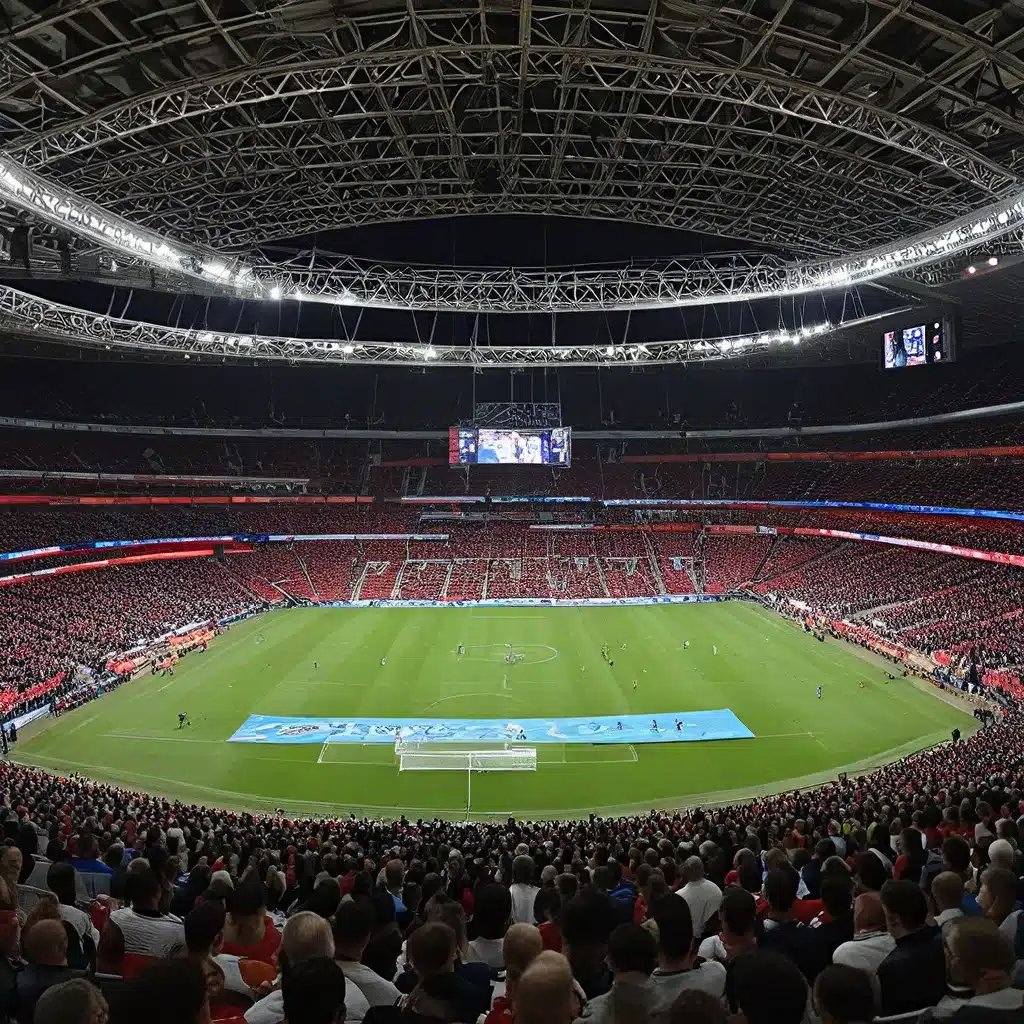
(545, 994)
(834, 925)
(770, 989)
(491, 920)
(913, 975)
(782, 932)
(170, 991)
(352, 926)
(998, 900)
(696, 1007)
(677, 969)
(871, 942)
(548, 910)
(440, 994)
(45, 945)
(738, 915)
(947, 896)
(77, 1001)
(522, 890)
(140, 930)
(443, 908)
(585, 930)
(700, 893)
(811, 873)
(62, 882)
(314, 993)
(88, 861)
(248, 931)
(632, 953)
(394, 883)
(979, 960)
(843, 995)
(522, 945)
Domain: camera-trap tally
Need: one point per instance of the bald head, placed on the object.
(947, 891)
(544, 993)
(306, 936)
(522, 945)
(1000, 854)
(868, 915)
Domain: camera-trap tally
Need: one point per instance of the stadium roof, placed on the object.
(803, 131)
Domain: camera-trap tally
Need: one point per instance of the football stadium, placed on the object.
(511, 513)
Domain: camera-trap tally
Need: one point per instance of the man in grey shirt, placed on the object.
(679, 968)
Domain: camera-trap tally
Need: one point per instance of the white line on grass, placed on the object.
(459, 696)
(82, 725)
(155, 739)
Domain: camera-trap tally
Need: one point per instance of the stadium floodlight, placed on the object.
(31, 316)
(697, 280)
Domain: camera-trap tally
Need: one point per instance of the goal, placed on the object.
(413, 758)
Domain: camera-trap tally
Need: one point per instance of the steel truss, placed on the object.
(699, 280)
(795, 124)
(31, 317)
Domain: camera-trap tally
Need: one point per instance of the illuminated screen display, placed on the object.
(917, 345)
(469, 446)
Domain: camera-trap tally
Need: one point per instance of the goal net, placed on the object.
(412, 758)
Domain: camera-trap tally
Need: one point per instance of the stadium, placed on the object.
(562, 455)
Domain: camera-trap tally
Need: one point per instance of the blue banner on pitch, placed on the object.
(673, 727)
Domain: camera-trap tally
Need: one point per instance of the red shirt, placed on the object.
(551, 936)
(263, 950)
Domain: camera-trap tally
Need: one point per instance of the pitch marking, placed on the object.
(459, 696)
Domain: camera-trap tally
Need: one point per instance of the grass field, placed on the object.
(766, 672)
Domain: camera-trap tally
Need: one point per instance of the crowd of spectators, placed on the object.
(894, 893)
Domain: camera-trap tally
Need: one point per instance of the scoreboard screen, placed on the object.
(917, 345)
(469, 446)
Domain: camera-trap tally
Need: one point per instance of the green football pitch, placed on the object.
(766, 671)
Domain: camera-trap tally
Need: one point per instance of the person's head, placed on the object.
(431, 949)
(632, 951)
(170, 991)
(905, 908)
(693, 869)
(837, 894)
(305, 937)
(394, 875)
(10, 863)
(738, 913)
(523, 870)
(352, 927)
(843, 995)
(956, 855)
(823, 849)
(947, 891)
(780, 888)
(46, 942)
(492, 910)
(675, 932)
(314, 993)
(72, 1002)
(692, 1006)
(998, 893)
(585, 925)
(248, 901)
(869, 872)
(978, 955)
(204, 929)
(60, 880)
(145, 889)
(324, 899)
(521, 946)
(770, 989)
(544, 994)
(868, 915)
(1000, 854)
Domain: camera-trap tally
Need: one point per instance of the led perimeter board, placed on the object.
(470, 446)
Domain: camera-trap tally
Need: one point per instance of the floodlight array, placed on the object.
(30, 316)
(698, 280)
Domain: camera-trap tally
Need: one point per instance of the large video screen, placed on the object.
(496, 447)
(917, 345)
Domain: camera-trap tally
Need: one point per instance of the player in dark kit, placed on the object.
(183, 720)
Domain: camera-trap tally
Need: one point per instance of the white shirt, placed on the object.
(865, 952)
(488, 951)
(376, 990)
(149, 935)
(704, 899)
(947, 917)
(80, 921)
(523, 897)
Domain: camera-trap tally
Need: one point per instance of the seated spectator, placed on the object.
(394, 882)
(491, 918)
(811, 872)
(545, 992)
(770, 989)
(702, 895)
(140, 930)
(522, 890)
(88, 860)
(443, 908)
(231, 982)
(738, 916)
(632, 953)
(843, 995)
(45, 946)
(522, 945)
(385, 945)
(547, 908)
(678, 968)
(62, 882)
(10, 872)
(77, 1001)
(834, 925)
(913, 975)
(306, 936)
(947, 898)
(622, 893)
(352, 926)
(998, 900)
(782, 932)
(979, 961)
(170, 991)
(314, 993)
(440, 994)
(248, 931)
(585, 929)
